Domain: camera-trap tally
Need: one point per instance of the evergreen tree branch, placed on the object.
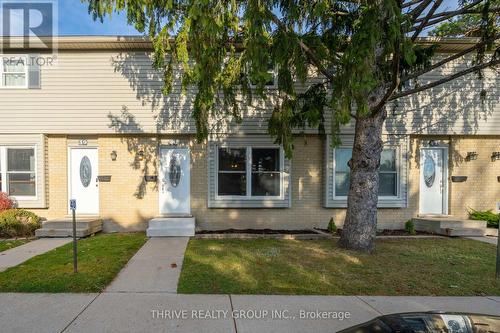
(396, 75)
(426, 19)
(462, 10)
(456, 13)
(447, 60)
(417, 11)
(307, 50)
(452, 77)
(411, 3)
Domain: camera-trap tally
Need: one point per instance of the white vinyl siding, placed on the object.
(105, 91)
(13, 71)
(393, 174)
(22, 169)
(254, 184)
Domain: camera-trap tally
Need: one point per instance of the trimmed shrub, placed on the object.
(5, 202)
(18, 223)
(332, 227)
(410, 227)
(488, 216)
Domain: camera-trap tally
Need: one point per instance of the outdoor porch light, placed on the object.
(471, 156)
(140, 155)
(433, 143)
(114, 155)
(495, 156)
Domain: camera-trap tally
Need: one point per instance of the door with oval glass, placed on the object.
(174, 181)
(433, 181)
(83, 183)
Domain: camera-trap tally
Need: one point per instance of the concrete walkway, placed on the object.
(20, 254)
(164, 312)
(156, 267)
(485, 239)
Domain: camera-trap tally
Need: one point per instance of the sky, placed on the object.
(74, 19)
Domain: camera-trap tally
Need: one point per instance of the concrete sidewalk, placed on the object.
(164, 312)
(156, 267)
(20, 254)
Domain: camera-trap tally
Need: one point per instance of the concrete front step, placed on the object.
(171, 227)
(492, 232)
(68, 223)
(170, 232)
(450, 222)
(450, 226)
(64, 228)
(471, 232)
(174, 222)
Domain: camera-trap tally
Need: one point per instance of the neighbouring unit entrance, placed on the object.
(83, 182)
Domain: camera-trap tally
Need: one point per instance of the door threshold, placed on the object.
(173, 215)
(87, 216)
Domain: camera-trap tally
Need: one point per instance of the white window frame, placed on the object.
(26, 71)
(3, 171)
(274, 73)
(248, 171)
(381, 197)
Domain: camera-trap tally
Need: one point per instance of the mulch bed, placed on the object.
(257, 232)
(385, 232)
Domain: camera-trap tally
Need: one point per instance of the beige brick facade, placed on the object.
(127, 202)
(481, 191)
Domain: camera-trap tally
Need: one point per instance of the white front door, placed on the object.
(433, 181)
(83, 184)
(174, 182)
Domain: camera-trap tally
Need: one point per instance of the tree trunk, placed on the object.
(360, 224)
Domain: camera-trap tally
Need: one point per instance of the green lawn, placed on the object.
(9, 244)
(398, 267)
(100, 258)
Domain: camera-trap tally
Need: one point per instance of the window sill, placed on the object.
(383, 202)
(249, 203)
(24, 198)
(13, 88)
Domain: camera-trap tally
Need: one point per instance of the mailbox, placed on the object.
(151, 179)
(458, 179)
(104, 179)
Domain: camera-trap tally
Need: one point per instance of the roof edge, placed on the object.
(136, 42)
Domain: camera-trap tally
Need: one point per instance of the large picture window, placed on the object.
(249, 172)
(18, 171)
(13, 71)
(388, 174)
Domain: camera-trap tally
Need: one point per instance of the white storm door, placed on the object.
(432, 181)
(83, 184)
(174, 182)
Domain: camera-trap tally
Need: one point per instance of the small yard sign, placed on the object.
(72, 206)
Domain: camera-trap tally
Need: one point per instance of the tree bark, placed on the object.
(360, 224)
